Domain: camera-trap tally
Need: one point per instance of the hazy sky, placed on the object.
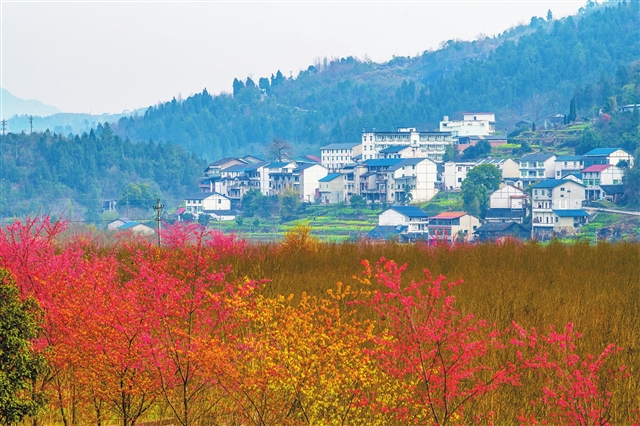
(114, 55)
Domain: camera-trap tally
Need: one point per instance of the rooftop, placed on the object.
(409, 211)
(550, 183)
(330, 177)
(596, 168)
(347, 145)
(570, 158)
(382, 162)
(202, 195)
(537, 157)
(449, 215)
(394, 149)
(601, 151)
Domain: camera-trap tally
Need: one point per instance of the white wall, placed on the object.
(502, 198)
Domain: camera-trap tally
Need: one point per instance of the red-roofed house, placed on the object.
(600, 174)
(453, 226)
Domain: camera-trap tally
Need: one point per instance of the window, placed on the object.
(562, 189)
(556, 219)
(535, 192)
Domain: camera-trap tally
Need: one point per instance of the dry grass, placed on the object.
(595, 287)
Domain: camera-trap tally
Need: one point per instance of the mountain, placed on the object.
(13, 105)
(65, 122)
(525, 73)
(48, 172)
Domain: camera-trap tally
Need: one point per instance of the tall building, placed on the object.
(472, 124)
(431, 145)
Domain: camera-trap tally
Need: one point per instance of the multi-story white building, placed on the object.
(613, 156)
(415, 220)
(454, 174)
(472, 124)
(537, 167)
(556, 205)
(388, 180)
(600, 174)
(429, 145)
(568, 164)
(508, 204)
(337, 155)
(207, 203)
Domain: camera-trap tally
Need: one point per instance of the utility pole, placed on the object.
(31, 122)
(158, 208)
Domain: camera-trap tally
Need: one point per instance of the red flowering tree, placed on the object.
(437, 354)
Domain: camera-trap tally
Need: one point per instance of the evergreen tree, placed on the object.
(20, 364)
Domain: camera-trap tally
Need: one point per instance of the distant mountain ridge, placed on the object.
(526, 73)
(13, 105)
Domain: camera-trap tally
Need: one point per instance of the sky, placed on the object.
(111, 56)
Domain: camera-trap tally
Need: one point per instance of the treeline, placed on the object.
(532, 71)
(43, 172)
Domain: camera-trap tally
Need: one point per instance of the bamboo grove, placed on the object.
(211, 330)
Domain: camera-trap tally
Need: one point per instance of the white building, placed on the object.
(280, 174)
(556, 206)
(568, 164)
(537, 167)
(454, 174)
(508, 204)
(307, 180)
(331, 189)
(510, 169)
(472, 124)
(411, 217)
(611, 156)
(600, 174)
(207, 203)
(387, 180)
(337, 155)
(429, 145)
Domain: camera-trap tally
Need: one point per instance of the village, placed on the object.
(541, 195)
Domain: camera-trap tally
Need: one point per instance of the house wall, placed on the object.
(510, 169)
(334, 158)
(332, 192)
(391, 218)
(502, 198)
(216, 202)
(471, 125)
(563, 168)
(309, 178)
(454, 174)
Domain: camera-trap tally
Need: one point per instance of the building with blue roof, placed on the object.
(414, 220)
(614, 156)
(536, 167)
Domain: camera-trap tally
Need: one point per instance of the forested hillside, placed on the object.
(526, 73)
(44, 172)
